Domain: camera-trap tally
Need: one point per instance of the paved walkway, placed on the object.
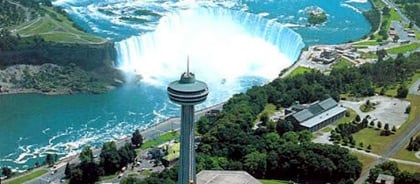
(415, 88)
(324, 139)
(396, 145)
(148, 134)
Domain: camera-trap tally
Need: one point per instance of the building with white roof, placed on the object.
(317, 115)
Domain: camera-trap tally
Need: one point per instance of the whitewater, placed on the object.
(222, 44)
(232, 45)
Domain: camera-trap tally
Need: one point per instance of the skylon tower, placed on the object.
(187, 92)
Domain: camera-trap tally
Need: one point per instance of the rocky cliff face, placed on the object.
(86, 56)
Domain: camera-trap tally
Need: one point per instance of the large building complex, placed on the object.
(187, 92)
(316, 115)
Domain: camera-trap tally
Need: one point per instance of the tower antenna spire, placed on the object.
(188, 65)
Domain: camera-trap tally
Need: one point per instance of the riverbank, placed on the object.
(148, 133)
(52, 79)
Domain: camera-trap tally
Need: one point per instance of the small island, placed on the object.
(316, 15)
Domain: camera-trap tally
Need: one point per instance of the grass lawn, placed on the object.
(418, 35)
(343, 63)
(366, 160)
(326, 129)
(404, 48)
(347, 119)
(173, 152)
(415, 110)
(274, 182)
(161, 139)
(360, 46)
(103, 178)
(60, 37)
(299, 70)
(390, 91)
(56, 27)
(393, 16)
(269, 109)
(367, 108)
(369, 55)
(404, 154)
(378, 3)
(27, 177)
(409, 168)
(414, 78)
(366, 43)
(371, 136)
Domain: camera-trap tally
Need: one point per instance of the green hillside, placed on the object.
(29, 19)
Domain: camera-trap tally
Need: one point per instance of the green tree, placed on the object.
(385, 11)
(361, 144)
(255, 163)
(394, 129)
(369, 147)
(6, 171)
(348, 113)
(131, 180)
(408, 109)
(68, 170)
(379, 124)
(50, 159)
(395, 38)
(203, 125)
(86, 155)
(264, 118)
(137, 138)
(381, 53)
(76, 176)
(127, 155)
(372, 123)
(388, 167)
(365, 122)
(305, 136)
(407, 178)
(291, 137)
(402, 92)
(386, 127)
(90, 172)
(357, 118)
(284, 126)
(272, 140)
(353, 143)
(109, 158)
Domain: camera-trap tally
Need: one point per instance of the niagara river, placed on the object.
(232, 45)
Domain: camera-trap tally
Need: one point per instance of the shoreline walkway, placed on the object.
(148, 133)
(172, 123)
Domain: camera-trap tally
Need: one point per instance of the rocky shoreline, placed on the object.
(52, 79)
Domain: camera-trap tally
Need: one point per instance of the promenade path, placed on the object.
(155, 131)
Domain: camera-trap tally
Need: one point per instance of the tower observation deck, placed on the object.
(187, 92)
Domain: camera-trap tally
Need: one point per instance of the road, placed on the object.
(396, 145)
(148, 134)
(395, 7)
(25, 9)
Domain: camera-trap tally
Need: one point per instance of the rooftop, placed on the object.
(315, 109)
(386, 179)
(223, 177)
(323, 116)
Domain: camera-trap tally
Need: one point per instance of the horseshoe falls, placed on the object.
(227, 49)
(232, 45)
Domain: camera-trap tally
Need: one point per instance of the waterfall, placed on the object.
(223, 45)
